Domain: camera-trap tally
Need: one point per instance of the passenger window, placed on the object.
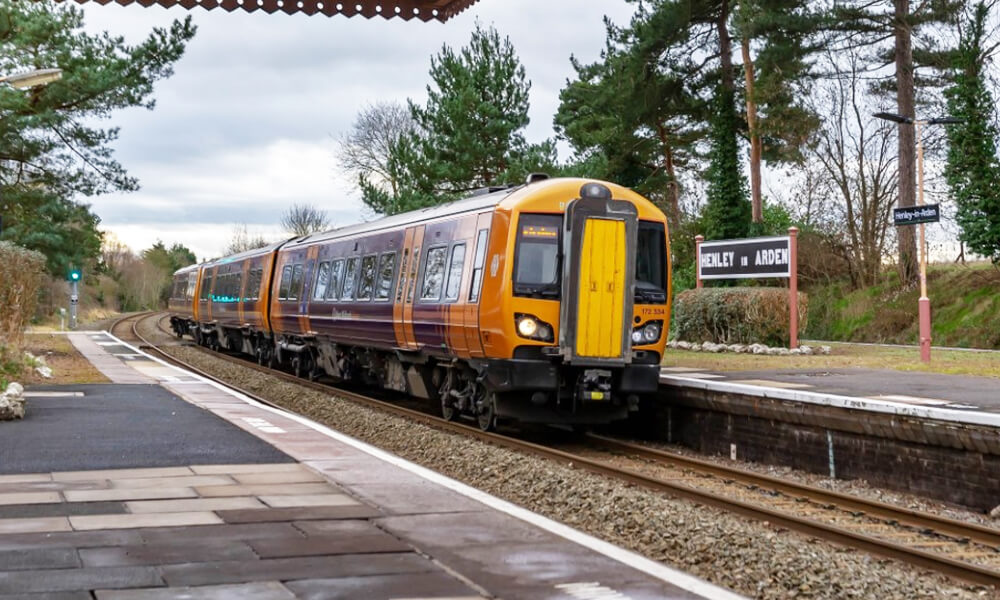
(455, 272)
(413, 274)
(336, 277)
(286, 282)
(434, 273)
(296, 290)
(322, 281)
(350, 278)
(477, 266)
(402, 276)
(367, 285)
(192, 283)
(386, 268)
(206, 287)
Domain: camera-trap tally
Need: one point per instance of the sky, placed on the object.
(249, 122)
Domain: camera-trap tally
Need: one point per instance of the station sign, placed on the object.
(745, 259)
(914, 215)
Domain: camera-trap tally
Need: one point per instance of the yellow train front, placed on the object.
(576, 304)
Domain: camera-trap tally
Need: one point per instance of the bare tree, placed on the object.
(365, 150)
(242, 240)
(303, 219)
(862, 170)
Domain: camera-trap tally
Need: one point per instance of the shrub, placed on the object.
(21, 274)
(736, 315)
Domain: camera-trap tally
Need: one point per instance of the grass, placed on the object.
(948, 362)
(68, 366)
(964, 303)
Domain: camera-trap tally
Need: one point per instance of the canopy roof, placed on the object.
(425, 10)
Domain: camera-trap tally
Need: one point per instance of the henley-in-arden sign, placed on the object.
(748, 258)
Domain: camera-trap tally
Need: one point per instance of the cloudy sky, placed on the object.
(248, 123)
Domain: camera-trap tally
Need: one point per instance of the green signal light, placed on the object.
(74, 275)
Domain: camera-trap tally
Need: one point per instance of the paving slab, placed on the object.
(385, 587)
(165, 553)
(286, 569)
(266, 590)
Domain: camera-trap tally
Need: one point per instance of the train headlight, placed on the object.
(533, 328)
(527, 327)
(647, 334)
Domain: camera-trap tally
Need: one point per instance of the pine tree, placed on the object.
(51, 150)
(972, 169)
(469, 133)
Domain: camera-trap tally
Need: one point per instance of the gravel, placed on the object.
(749, 557)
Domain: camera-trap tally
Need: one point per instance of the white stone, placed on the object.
(995, 513)
(758, 348)
(44, 371)
(684, 345)
(824, 349)
(14, 389)
(795, 351)
(738, 348)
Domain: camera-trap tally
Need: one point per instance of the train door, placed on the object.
(481, 242)
(399, 299)
(411, 285)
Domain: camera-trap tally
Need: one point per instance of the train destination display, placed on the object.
(747, 258)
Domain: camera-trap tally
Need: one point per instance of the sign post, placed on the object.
(754, 258)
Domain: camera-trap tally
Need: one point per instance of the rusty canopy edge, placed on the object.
(424, 10)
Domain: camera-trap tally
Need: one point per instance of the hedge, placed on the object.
(736, 315)
(21, 274)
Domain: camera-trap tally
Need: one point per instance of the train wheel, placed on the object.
(486, 412)
(448, 410)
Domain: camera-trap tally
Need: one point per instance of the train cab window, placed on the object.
(367, 284)
(414, 265)
(477, 266)
(536, 257)
(295, 291)
(454, 285)
(651, 264)
(322, 281)
(350, 278)
(434, 273)
(386, 268)
(286, 282)
(336, 278)
(402, 276)
(191, 284)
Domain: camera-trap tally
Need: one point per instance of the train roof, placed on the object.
(457, 207)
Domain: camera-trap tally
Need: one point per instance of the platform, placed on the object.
(954, 398)
(163, 485)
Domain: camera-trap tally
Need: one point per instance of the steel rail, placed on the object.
(961, 570)
(921, 520)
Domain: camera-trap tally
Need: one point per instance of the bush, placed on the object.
(736, 315)
(21, 274)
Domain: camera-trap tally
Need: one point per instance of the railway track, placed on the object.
(962, 550)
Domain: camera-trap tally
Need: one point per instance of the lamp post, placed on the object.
(32, 79)
(27, 80)
(924, 304)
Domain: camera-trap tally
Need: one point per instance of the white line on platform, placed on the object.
(653, 568)
(967, 417)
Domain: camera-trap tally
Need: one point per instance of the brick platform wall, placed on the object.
(945, 462)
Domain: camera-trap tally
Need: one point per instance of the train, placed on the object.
(545, 302)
